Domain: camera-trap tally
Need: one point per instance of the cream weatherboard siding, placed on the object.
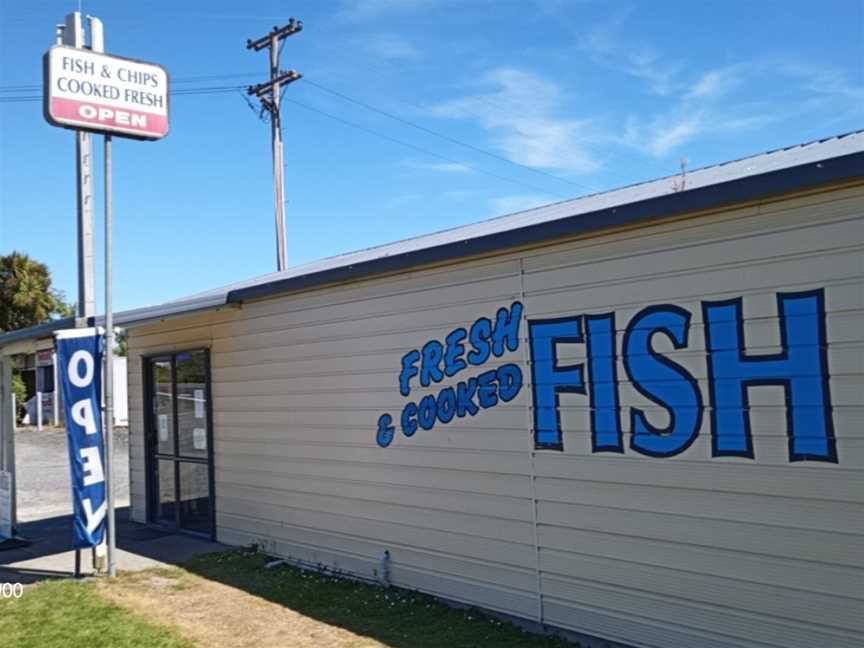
(684, 551)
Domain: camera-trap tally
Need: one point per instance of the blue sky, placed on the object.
(562, 97)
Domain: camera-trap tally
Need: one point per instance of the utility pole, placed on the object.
(268, 92)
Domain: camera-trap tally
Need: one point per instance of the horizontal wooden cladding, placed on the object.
(693, 550)
(352, 406)
(262, 471)
(291, 489)
(317, 440)
(662, 261)
(294, 507)
(820, 482)
(411, 555)
(429, 536)
(761, 333)
(493, 461)
(709, 561)
(344, 380)
(505, 598)
(379, 392)
(381, 353)
(563, 568)
(175, 332)
(417, 311)
(679, 623)
(542, 301)
(360, 295)
(415, 307)
(791, 542)
(451, 437)
(793, 512)
(769, 436)
(633, 629)
(728, 226)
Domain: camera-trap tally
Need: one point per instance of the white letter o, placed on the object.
(77, 379)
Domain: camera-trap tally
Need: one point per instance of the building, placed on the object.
(39, 374)
(637, 415)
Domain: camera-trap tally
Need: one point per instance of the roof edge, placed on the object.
(808, 176)
(803, 177)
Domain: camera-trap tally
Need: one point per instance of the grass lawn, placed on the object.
(392, 617)
(70, 614)
(231, 600)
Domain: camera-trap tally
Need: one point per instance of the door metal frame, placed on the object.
(151, 454)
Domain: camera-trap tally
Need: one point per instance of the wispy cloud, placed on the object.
(521, 112)
(520, 202)
(715, 83)
(391, 48)
(606, 44)
(368, 9)
(825, 83)
(729, 100)
(531, 118)
(439, 167)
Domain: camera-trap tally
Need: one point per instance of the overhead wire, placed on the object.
(226, 89)
(421, 149)
(443, 136)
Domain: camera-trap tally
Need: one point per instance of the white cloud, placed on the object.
(442, 167)
(606, 45)
(664, 138)
(520, 202)
(520, 113)
(367, 9)
(714, 83)
(824, 81)
(391, 48)
(706, 108)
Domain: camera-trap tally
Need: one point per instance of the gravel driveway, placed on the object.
(42, 462)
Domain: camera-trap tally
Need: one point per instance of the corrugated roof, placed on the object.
(797, 167)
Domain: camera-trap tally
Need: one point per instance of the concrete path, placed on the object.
(42, 459)
(45, 522)
(48, 554)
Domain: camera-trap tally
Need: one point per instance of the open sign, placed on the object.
(91, 91)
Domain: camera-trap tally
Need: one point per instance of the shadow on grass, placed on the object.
(395, 617)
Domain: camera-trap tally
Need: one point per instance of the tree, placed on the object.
(26, 295)
(20, 391)
(121, 343)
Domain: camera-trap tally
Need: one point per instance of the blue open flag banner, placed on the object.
(79, 360)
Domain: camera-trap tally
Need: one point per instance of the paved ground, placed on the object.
(45, 521)
(42, 460)
(47, 553)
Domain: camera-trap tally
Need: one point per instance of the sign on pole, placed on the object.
(108, 94)
(79, 354)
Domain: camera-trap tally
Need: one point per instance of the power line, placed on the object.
(423, 150)
(227, 89)
(174, 81)
(444, 136)
(174, 93)
(231, 89)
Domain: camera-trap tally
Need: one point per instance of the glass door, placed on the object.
(179, 436)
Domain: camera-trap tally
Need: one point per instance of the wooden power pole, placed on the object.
(268, 92)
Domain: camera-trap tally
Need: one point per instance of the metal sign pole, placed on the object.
(72, 34)
(109, 367)
(69, 107)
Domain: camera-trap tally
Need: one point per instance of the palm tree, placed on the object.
(26, 295)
